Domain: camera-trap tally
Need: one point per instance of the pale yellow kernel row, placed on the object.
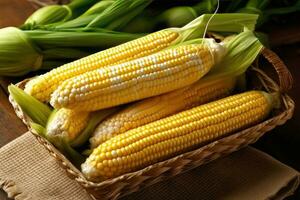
(135, 81)
(44, 85)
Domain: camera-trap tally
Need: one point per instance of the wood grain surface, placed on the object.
(12, 13)
(282, 143)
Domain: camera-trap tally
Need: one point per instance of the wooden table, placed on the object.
(281, 142)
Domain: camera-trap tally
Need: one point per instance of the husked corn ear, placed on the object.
(42, 86)
(67, 123)
(176, 134)
(152, 75)
(158, 107)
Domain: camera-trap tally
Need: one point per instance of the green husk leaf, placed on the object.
(96, 118)
(181, 15)
(118, 9)
(18, 54)
(64, 147)
(78, 38)
(242, 50)
(47, 15)
(80, 6)
(226, 23)
(57, 14)
(84, 19)
(40, 130)
(97, 8)
(75, 23)
(76, 158)
(123, 21)
(36, 110)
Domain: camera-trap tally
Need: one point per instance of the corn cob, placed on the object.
(176, 134)
(42, 86)
(242, 51)
(158, 107)
(74, 127)
(152, 75)
(66, 123)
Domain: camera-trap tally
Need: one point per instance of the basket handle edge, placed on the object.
(285, 76)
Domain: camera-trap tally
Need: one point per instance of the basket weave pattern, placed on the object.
(131, 182)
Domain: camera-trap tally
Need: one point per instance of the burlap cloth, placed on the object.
(27, 171)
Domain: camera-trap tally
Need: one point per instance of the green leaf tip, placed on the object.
(36, 110)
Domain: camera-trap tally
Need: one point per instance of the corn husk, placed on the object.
(135, 9)
(177, 16)
(118, 9)
(57, 13)
(47, 15)
(243, 49)
(39, 113)
(25, 51)
(221, 23)
(96, 118)
(18, 54)
(40, 130)
(98, 8)
(112, 15)
(36, 110)
(93, 37)
(82, 20)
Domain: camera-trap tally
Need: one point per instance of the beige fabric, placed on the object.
(244, 175)
(28, 172)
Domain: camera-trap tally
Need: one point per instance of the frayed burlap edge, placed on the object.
(12, 190)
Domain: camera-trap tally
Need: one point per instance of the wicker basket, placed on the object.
(131, 182)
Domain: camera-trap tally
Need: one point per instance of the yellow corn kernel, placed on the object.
(43, 86)
(152, 75)
(176, 134)
(154, 108)
(67, 123)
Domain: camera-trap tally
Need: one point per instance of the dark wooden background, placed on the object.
(283, 143)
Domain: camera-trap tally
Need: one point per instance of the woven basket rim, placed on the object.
(285, 83)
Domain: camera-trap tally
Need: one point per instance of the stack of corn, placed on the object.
(145, 101)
